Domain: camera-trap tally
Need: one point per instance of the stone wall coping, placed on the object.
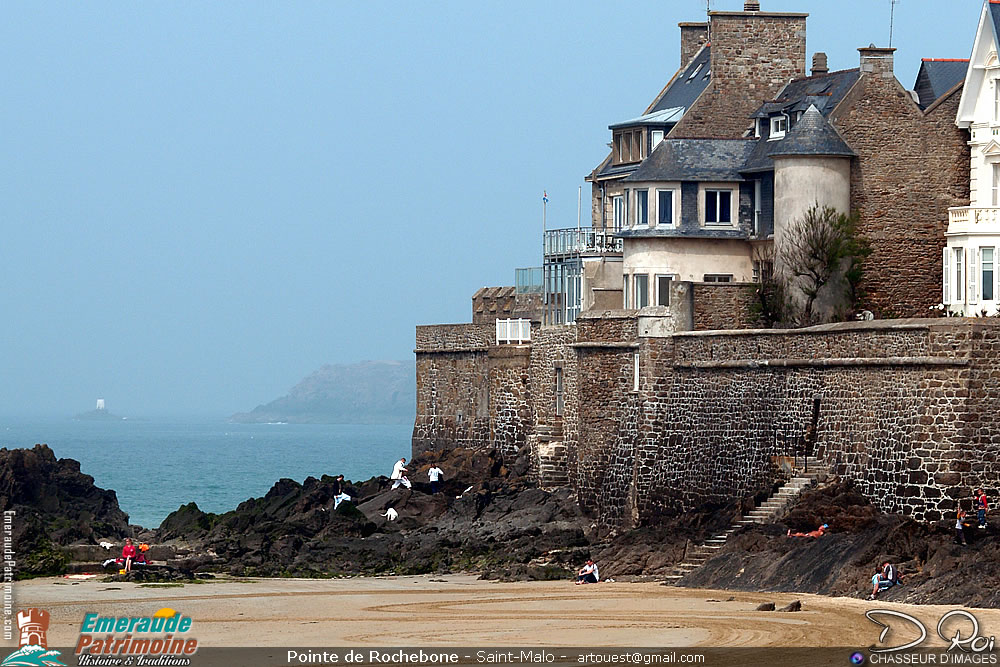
(770, 15)
(448, 350)
(608, 344)
(827, 362)
(843, 327)
(608, 315)
(454, 325)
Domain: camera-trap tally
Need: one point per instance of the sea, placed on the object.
(158, 465)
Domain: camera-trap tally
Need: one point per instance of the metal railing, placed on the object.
(574, 241)
(528, 281)
(513, 331)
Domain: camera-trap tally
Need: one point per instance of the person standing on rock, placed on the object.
(434, 474)
(959, 532)
(339, 492)
(399, 474)
(981, 507)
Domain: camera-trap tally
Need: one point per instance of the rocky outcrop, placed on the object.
(55, 505)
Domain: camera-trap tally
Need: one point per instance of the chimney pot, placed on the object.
(819, 63)
(751, 6)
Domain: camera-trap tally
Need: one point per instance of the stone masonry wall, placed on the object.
(908, 409)
(911, 166)
(551, 348)
(753, 56)
(726, 306)
(510, 397)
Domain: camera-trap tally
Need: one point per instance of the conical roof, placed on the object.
(812, 135)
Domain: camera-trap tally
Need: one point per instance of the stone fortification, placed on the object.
(906, 408)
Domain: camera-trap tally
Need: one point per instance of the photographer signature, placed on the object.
(973, 643)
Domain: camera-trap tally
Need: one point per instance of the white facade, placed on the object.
(969, 284)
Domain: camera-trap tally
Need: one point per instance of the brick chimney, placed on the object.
(819, 64)
(751, 6)
(877, 61)
(693, 36)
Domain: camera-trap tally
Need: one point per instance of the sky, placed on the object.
(201, 203)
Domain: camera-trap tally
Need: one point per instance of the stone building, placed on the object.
(969, 279)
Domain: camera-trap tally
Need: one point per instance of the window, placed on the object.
(618, 207)
(757, 208)
(762, 271)
(718, 278)
(996, 184)
(619, 147)
(986, 264)
(718, 207)
(642, 207)
(996, 100)
(635, 371)
(655, 137)
(779, 125)
(664, 207)
(559, 391)
(627, 151)
(641, 281)
(756, 127)
(625, 291)
(946, 276)
(959, 278)
(637, 138)
(663, 290)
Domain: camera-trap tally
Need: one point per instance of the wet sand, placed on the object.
(459, 610)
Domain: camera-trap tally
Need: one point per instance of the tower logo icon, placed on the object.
(33, 624)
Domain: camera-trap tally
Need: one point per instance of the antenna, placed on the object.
(892, 15)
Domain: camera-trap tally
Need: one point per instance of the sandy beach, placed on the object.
(460, 610)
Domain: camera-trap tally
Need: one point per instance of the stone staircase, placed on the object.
(770, 510)
(552, 455)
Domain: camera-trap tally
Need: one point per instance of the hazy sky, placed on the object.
(202, 202)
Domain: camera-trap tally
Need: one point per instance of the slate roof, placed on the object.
(694, 160)
(686, 88)
(671, 115)
(824, 91)
(812, 135)
(937, 76)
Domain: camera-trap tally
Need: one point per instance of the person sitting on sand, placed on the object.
(588, 573)
(885, 577)
(819, 532)
(128, 554)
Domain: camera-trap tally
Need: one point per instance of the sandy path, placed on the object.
(461, 610)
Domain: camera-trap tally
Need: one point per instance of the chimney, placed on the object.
(693, 36)
(819, 64)
(751, 6)
(877, 61)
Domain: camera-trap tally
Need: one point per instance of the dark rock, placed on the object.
(793, 606)
(765, 606)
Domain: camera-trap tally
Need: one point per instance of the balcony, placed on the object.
(970, 219)
(580, 241)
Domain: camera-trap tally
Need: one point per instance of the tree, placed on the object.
(821, 258)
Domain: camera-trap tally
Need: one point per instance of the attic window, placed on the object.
(708, 73)
(779, 125)
(695, 72)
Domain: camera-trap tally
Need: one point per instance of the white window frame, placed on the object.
(958, 288)
(656, 279)
(733, 190)
(635, 288)
(946, 276)
(618, 217)
(653, 140)
(674, 205)
(639, 223)
(625, 291)
(995, 183)
(973, 295)
(775, 132)
(720, 278)
(757, 211)
(993, 273)
(996, 99)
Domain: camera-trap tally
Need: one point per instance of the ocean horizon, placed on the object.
(156, 465)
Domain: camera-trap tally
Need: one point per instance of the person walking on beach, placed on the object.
(959, 532)
(434, 474)
(981, 507)
(588, 573)
(399, 474)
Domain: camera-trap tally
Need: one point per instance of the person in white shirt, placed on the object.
(588, 574)
(434, 474)
(399, 474)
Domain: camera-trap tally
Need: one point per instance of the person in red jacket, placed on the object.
(981, 507)
(128, 554)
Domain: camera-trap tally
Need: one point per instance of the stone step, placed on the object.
(715, 540)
